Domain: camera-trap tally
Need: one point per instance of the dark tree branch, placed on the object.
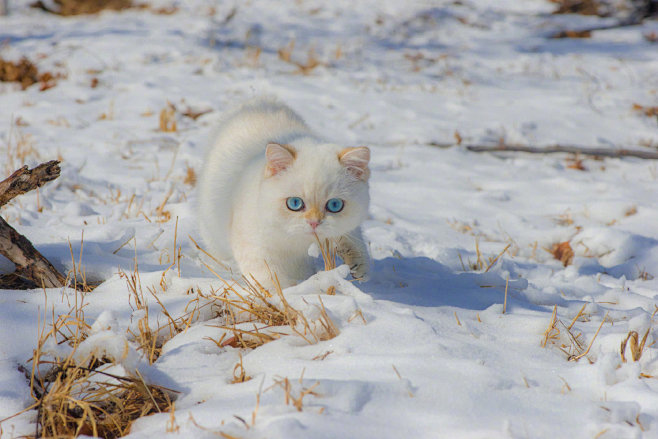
(641, 10)
(572, 149)
(33, 270)
(24, 180)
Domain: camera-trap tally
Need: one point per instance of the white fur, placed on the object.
(242, 201)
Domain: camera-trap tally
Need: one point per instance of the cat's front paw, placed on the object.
(360, 272)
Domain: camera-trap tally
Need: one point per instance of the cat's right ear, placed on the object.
(279, 158)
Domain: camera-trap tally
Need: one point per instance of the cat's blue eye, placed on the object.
(295, 203)
(335, 205)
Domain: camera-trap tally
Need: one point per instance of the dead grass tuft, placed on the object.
(255, 316)
(168, 119)
(582, 7)
(480, 263)
(80, 7)
(23, 71)
(76, 396)
(647, 110)
(239, 373)
(562, 252)
(636, 346)
(573, 34)
(562, 336)
(252, 315)
(19, 149)
(190, 176)
(575, 162)
(305, 68)
(296, 399)
(26, 73)
(329, 250)
(150, 340)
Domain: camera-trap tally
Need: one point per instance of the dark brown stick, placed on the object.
(24, 180)
(33, 270)
(597, 152)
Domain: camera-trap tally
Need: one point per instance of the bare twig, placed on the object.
(573, 149)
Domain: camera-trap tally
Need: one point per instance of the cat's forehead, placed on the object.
(317, 170)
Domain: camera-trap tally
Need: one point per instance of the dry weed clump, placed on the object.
(636, 346)
(26, 73)
(80, 7)
(74, 394)
(582, 7)
(647, 110)
(562, 336)
(168, 119)
(254, 316)
(296, 400)
(329, 251)
(480, 263)
(19, 148)
(562, 252)
(305, 68)
(573, 34)
(150, 340)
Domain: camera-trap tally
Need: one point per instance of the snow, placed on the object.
(434, 355)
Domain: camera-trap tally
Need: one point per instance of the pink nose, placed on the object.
(314, 224)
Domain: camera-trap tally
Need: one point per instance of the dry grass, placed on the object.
(22, 71)
(575, 162)
(77, 396)
(647, 110)
(573, 34)
(190, 176)
(306, 67)
(26, 73)
(239, 373)
(74, 396)
(562, 336)
(329, 251)
(80, 7)
(296, 399)
(255, 316)
(150, 340)
(582, 7)
(633, 342)
(167, 119)
(19, 149)
(562, 252)
(636, 346)
(482, 264)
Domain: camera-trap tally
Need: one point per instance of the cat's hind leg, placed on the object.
(353, 251)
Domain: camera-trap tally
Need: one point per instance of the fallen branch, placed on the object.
(587, 32)
(641, 10)
(571, 149)
(24, 180)
(33, 270)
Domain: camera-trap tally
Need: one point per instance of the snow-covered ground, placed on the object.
(434, 356)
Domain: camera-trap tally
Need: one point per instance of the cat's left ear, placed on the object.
(279, 157)
(356, 161)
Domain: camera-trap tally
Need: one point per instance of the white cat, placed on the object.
(269, 184)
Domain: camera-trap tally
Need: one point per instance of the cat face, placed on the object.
(311, 188)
